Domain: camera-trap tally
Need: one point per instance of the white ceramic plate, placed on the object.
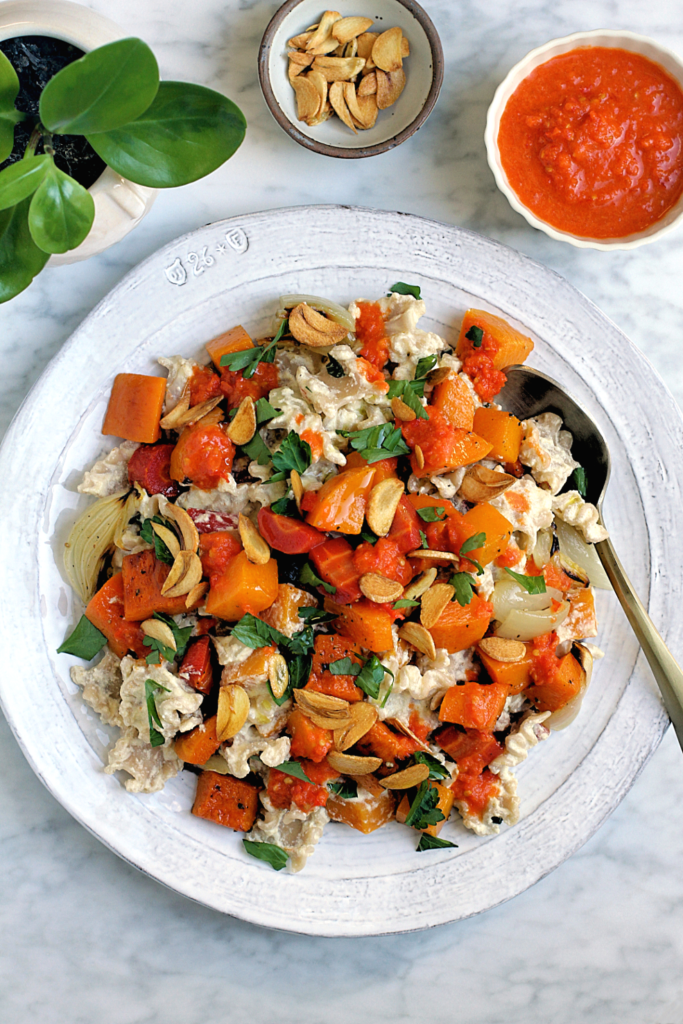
(232, 272)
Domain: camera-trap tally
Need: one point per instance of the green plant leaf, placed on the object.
(102, 91)
(269, 852)
(187, 132)
(20, 257)
(293, 768)
(84, 642)
(61, 212)
(9, 115)
(20, 180)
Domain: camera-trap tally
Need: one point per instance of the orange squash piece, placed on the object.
(516, 675)
(453, 398)
(143, 577)
(284, 613)
(243, 587)
(472, 750)
(445, 805)
(502, 430)
(134, 408)
(234, 340)
(226, 800)
(365, 816)
(506, 345)
(462, 626)
(106, 611)
(197, 746)
(253, 669)
(328, 648)
(204, 455)
(443, 447)
(419, 501)
(342, 501)
(480, 519)
(474, 705)
(381, 741)
(551, 690)
(367, 624)
(308, 739)
(581, 622)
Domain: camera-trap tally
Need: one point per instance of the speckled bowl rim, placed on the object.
(611, 38)
(341, 151)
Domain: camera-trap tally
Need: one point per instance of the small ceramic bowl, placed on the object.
(120, 204)
(424, 75)
(602, 37)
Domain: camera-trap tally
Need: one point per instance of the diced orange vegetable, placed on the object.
(462, 626)
(342, 501)
(581, 623)
(197, 746)
(454, 399)
(513, 674)
(196, 668)
(143, 577)
(203, 455)
(381, 741)
(216, 548)
(475, 791)
(243, 587)
(383, 557)
(106, 611)
(314, 439)
(474, 705)
(328, 648)
(254, 669)
(226, 800)
(419, 501)
(284, 613)
(285, 790)
(135, 406)
(554, 681)
(308, 739)
(365, 815)
(445, 805)
(368, 624)
(333, 561)
(384, 468)
(472, 750)
(511, 347)
(502, 430)
(484, 519)
(234, 340)
(443, 447)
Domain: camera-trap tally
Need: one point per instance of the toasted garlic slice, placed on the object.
(185, 523)
(379, 589)
(278, 675)
(320, 83)
(363, 717)
(390, 85)
(323, 30)
(406, 779)
(434, 601)
(405, 47)
(255, 548)
(312, 329)
(185, 574)
(307, 98)
(243, 426)
(402, 411)
(197, 412)
(365, 42)
(160, 631)
(349, 764)
(338, 69)
(297, 487)
(211, 419)
(438, 375)
(417, 636)
(310, 701)
(382, 504)
(481, 484)
(352, 101)
(328, 723)
(232, 711)
(367, 85)
(304, 60)
(299, 42)
(324, 115)
(172, 419)
(347, 29)
(196, 595)
(369, 110)
(418, 586)
(169, 538)
(429, 555)
(503, 650)
(339, 105)
(386, 50)
(419, 457)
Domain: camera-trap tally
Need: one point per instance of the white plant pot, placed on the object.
(120, 204)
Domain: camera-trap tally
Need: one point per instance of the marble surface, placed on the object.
(600, 940)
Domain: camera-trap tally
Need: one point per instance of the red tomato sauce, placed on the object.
(370, 333)
(590, 142)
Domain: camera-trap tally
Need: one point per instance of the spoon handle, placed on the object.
(665, 668)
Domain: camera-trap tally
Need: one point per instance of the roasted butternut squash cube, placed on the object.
(502, 430)
(226, 800)
(462, 626)
(365, 815)
(445, 805)
(243, 587)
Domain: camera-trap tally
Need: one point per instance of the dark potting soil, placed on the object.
(36, 59)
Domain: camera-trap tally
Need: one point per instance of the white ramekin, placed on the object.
(600, 37)
(120, 205)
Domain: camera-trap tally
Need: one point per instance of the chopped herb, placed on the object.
(181, 634)
(347, 789)
(257, 450)
(496, 820)
(345, 667)
(371, 677)
(375, 443)
(84, 642)
(580, 481)
(302, 641)
(423, 539)
(293, 768)
(265, 411)
(400, 288)
(299, 671)
(253, 632)
(334, 368)
(272, 854)
(408, 393)
(156, 738)
(424, 365)
(293, 453)
(147, 534)
(309, 576)
(471, 544)
(285, 507)
(432, 514)
(247, 359)
(532, 584)
(315, 615)
(475, 335)
(428, 842)
(368, 535)
(405, 603)
(423, 810)
(436, 769)
(462, 581)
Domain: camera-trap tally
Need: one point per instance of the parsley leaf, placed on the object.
(423, 539)
(406, 289)
(147, 534)
(345, 667)
(436, 769)
(299, 671)
(347, 789)
(428, 842)
(368, 535)
(424, 365)
(181, 634)
(475, 335)
(257, 450)
(156, 738)
(423, 810)
(253, 632)
(334, 368)
(293, 768)
(532, 584)
(462, 581)
(84, 642)
(408, 393)
(272, 854)
(315, 615)
(293, 453)
(405, 603)
(265, 411)
(432, 514)
(371, 677)
(580, 481)
(302, 641)
(375, 443)
(285, 507)
(471, 544)
(247, 359)
(309, 576)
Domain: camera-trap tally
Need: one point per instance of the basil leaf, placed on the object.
(269, 852)
(293, 768)
(405, 603)
(241, 359)
(309, 576)
(345, 667)
(334, 368)
(299, 670)
(472, 543)
(264, 411)
(20, 180)
(293, 453)
(316, 615)
(432, 514)
(462, 581)
(186, 132)
(157, 647)
(371, 676)
(20, 257)
(347, 789)
(408, 391)
(428, 842)
(253, 632)
(580, 481)
(423, 539)
(302, 641)
(9, 115)
(532, 584)
(181, 634)
(84, 642)
(147, 534)
(423, 810)
(406, 289)
(61, 212)
(285, 507)
(375, 443)
(104, 90)
(258, 451)
(156, 738)
(475, 335)
(424, 365)
(436, 769)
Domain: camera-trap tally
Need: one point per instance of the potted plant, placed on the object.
(155, 134)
